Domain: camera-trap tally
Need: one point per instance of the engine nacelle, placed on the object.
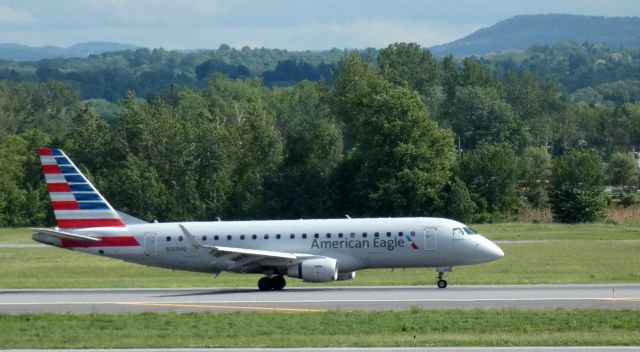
(346, 276)
(315, 270)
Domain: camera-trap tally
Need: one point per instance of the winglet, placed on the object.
(192, 240)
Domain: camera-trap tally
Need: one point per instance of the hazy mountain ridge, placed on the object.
(521, 32)
(19, 52)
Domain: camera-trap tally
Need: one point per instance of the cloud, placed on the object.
(9, 15)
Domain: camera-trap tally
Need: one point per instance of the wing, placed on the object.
(244, 259)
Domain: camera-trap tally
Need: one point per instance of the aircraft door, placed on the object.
(150, 244)
(430, 238)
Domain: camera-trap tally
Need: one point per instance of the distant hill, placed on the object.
(521, 32)
(19, 52)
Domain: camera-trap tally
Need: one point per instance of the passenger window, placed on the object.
(340, 235)
(328, 235)
(216, 237)
(179, 238)
(292, 236)
(377, 234)
(400, 234)
(413, 233)
(204, 238)
(304, 235)
(353, 235)
(229, 237)
(266, 237)
(253, 237)
(242, 237)
(388, 234)
(315, 235)
(364, 235)
(277, 236)
(168, 238)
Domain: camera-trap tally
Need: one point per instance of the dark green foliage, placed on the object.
(111, 75)
(289, 72)
(577, 184)
(480, 115)
(534, 174)
(398, 159)
(622, 170)
(459, 204)
(366, 145)
(216, 66)
(406, 64)
(490, 173)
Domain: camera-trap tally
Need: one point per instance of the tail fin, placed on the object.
(76, 202)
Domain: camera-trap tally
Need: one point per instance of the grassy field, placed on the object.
(503, 231)
(407, 328)
(544, 262)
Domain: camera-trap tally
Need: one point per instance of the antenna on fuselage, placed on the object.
(347, 215)
(218, 219)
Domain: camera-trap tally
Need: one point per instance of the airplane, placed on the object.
(321, 250)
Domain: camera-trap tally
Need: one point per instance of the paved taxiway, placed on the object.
(367, 349)
(311, 299)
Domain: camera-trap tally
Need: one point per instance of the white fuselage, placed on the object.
(354, 243)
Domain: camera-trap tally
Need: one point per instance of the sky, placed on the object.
(284, 24)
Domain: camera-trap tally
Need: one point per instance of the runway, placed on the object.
(318, 299)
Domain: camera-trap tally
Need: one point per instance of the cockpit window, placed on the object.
(457, 232)
(470, 231)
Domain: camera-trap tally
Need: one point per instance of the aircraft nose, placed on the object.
(492, 251)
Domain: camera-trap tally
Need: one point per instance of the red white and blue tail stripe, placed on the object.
(76, 202)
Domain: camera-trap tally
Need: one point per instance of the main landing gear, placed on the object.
(276, 283)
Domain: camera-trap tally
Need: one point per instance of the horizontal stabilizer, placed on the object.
(65, 235)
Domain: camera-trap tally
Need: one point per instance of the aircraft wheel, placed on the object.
(278, 282)
(265, 284)
(442, 283)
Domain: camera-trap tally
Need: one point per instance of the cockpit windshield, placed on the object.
(470, 231)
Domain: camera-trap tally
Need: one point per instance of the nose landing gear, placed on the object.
(442, 283)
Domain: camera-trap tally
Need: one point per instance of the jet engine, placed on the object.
(315, 270)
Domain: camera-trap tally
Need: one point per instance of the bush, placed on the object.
(577, 182)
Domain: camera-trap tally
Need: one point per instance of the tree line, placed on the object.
(401, 133)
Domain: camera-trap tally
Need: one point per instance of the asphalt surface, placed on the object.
(312, 299)
(380, 349)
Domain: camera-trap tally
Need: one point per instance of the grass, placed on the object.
(514, 231)
(593, 253)
(416, 327)
(576, 261)
(518, 231)
(15, 235)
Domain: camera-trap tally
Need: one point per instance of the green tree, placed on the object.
(622, 170)
(399, 159)
(301, 185)
(490, 173)
(480, 115)
(459, 202)
(407, 64)
(577, 184)
(535, 172)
